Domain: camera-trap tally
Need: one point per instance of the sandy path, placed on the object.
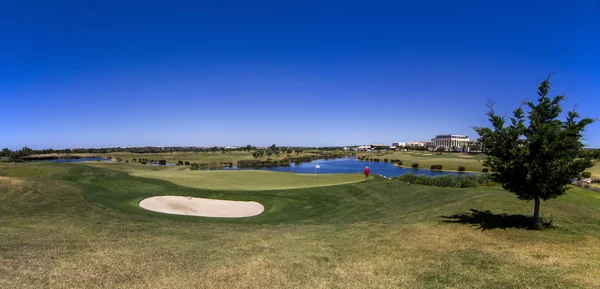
(189, 206)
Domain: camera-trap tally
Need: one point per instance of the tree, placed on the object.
(289, 151)
(538, 160)
(14, 157)
(5, 152)
(256, 154)
(248, 147)
(441, 150)
(269, 152)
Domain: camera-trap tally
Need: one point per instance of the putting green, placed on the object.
(251, 180)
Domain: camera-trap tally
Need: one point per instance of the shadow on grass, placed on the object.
(487, 220)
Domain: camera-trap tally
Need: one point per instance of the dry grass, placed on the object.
(53, 237)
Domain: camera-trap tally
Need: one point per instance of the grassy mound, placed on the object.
(72, 225)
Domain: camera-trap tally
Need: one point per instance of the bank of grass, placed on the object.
(449, 161)
(247, 179)
(73, 225)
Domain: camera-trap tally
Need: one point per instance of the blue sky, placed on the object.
(136, 73)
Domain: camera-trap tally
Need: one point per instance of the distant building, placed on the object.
(399, 144)
(451, 141)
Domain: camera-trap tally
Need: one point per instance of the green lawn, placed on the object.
(449, 161)
(595, 170)
(247, 180)
(200, 157)
(78, 225)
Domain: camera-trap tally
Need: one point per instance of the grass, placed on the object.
(76, 225)
(200, 157)
(595, 169)
(251, 180)
(449, 161)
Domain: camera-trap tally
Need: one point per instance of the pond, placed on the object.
(352, 166)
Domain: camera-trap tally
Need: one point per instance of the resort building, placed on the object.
(450, 141)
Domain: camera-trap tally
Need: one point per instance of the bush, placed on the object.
(385, 160)
(162, 162)
(485, 170)
(450, 181)
(461, 168)
(436, 167)
(415, 165)
(187, 163)
(586, 175)
(399, 162)
(179, 163)
(194, 166)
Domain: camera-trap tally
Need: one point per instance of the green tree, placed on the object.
(289, 151)
(256, 154)
(14, 156)
(5, 152)
(269, 153)
(248, 147)
(538, 160)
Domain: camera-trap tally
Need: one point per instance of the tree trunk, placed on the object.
(536, 212)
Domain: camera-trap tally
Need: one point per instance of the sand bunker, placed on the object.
(189, 206)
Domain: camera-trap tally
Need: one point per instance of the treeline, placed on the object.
(153, 149)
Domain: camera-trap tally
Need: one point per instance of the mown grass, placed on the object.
(449, 161)
(253, 180)
(73, 225)
(595, 170)
(199, 157)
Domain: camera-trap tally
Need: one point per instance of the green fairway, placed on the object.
(197, 157)
(79, 225)
(595, 170)
(449, 161)
(247, 180)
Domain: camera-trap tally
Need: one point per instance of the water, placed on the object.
(165, 165)
(352, 166)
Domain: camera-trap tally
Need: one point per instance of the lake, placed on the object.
(352, 166)
(330, 166)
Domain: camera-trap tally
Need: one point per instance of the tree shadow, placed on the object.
(487, 220)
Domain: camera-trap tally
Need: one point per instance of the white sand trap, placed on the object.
(427, 154)
(189, 206)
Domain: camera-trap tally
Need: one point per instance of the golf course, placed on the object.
(81, 225)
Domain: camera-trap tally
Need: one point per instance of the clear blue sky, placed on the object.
(136, 73)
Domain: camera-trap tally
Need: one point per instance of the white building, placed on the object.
(399, 144)
(450, 141)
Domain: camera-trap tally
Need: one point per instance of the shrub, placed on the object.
(194, 166)
(461, 168)
(415, 165)
(586, 175)
(187, 163)
(436, 167)
(162, 162)
(451, 181)
(179, 163)
(485, 170)
(385, 160)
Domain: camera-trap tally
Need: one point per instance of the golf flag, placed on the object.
(317, 167)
